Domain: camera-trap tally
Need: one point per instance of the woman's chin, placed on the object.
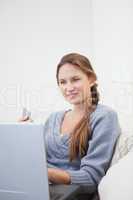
(74, 101)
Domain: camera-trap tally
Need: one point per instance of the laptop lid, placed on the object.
(23, 167)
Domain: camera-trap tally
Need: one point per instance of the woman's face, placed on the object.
(74, 84)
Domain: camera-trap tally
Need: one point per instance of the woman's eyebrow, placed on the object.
(74, 76)
(61, 79)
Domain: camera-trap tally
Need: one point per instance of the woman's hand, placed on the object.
(26, 116)
(58, 176)
(25, 119)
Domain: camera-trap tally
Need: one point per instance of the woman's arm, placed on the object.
(58, 176)
(96, 162)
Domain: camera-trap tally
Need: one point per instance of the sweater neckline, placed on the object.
(60, 124)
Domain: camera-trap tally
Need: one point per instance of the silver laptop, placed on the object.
(23, 168)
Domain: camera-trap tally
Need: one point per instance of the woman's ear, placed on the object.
(93, 83)
(92, 79)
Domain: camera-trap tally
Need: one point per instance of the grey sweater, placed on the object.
(93, 166)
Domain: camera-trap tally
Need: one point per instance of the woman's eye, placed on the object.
(76, 79)
(62, 82)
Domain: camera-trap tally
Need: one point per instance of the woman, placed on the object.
(79, 141)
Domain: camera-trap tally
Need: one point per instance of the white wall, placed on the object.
(112, 31)
(34, 35)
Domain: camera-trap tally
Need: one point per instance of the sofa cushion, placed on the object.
(117, 183)
(123, 146)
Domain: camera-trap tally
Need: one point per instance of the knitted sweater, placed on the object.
(93, 166)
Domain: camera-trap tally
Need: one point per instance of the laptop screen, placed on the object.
(23, 167)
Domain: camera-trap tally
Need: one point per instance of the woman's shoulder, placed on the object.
(102, 111)
(105, 118)
(53, 118)
(56, 114)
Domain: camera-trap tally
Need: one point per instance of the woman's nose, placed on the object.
(69, 87)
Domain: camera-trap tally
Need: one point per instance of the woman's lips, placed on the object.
(72, 95)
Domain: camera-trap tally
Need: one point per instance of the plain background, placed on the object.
(35, 34)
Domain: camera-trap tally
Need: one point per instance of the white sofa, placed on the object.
(117, 184)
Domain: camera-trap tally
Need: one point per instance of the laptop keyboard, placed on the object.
(63, 192)
(55, 196)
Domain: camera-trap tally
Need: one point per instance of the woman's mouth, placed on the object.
(72, 95)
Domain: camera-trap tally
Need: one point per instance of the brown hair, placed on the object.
(82, 131)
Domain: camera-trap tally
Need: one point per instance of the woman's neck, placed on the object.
(82, 109)
(79, 109)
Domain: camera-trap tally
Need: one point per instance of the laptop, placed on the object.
(23, 166)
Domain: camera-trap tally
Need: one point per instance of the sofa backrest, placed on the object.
(123, 146)
(117, 183)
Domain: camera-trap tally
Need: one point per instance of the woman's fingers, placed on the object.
(25, 119)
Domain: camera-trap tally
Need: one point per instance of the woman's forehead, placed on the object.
(70, 69)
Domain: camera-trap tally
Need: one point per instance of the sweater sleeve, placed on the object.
(93, 166)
